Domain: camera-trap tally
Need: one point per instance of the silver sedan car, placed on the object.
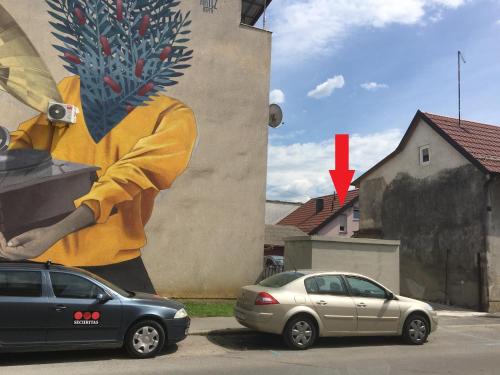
(304, 305)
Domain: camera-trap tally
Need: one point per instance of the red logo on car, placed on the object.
(86, 317)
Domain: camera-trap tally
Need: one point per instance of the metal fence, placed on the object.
(269, 270)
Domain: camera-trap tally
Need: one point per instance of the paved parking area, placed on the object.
(461, 345)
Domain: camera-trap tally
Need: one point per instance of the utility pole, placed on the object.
(460, 58)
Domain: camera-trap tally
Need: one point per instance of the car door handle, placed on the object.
(322, 303)
(60, 307)
(361, 304)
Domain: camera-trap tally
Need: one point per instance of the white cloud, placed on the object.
(276, 96)
(373, 86)
(326, 88)
(288, 135)
(299, 171)
(436, 17)
(303, 29)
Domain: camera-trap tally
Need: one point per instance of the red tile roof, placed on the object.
(481, 141)
(306, 219)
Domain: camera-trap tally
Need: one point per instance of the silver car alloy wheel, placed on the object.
(417, 330)
(301, 333)
(145, 340)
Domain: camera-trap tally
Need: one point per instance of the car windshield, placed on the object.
(117, 289)
(279, 261)
(280, 279)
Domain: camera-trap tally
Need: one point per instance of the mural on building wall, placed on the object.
(79, 188)
(122, 52)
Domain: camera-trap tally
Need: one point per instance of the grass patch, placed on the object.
(208, 308)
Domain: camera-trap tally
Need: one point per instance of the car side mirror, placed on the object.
(389, 295)
(103, 297)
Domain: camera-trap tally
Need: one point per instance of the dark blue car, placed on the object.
(52, 307)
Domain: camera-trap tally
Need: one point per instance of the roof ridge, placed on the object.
(461, 120)
(479, 143)
(331, 195)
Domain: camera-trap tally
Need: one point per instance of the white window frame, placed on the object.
(421, 155)
(340, 224)
(359, 214)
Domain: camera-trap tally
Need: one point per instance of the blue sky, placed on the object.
(381, 60)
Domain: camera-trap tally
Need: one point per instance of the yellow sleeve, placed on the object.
(34, 133)
(153, 163)
(37, 132)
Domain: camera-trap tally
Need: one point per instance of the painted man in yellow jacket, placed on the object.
(122, 54)
(139, 157)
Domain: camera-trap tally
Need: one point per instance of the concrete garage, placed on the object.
(378, 259)
(439, 194)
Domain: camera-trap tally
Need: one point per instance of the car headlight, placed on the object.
(429, 307)
(182, 313)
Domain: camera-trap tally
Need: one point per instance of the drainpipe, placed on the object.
(482, 257)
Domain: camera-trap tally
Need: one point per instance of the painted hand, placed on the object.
(35, 242)
(28, 245)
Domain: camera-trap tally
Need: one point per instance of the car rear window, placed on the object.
(280, 279)
(20, 283)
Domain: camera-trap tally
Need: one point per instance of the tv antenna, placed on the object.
(460, 58)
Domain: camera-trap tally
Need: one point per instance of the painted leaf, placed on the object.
(118, 59)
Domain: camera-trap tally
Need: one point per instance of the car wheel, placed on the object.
(300, 332)
(145, 339)
(416, 329)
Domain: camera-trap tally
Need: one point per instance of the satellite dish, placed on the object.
(275, 115)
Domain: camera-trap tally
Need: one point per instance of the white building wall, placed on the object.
(333, 227)
(276, 210)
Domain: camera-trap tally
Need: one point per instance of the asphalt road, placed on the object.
(459, 346)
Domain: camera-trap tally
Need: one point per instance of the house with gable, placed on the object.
(326, 216)
(438, 193)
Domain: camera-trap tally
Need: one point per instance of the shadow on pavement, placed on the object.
(264, 341)
(36, 358)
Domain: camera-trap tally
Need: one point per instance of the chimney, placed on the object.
(320, 203)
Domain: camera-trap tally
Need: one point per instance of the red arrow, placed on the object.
(342, 175)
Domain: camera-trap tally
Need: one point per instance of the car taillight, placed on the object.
(264, 298)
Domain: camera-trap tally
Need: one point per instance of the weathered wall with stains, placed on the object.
(438, 213)
(206, 235)
(493, 244)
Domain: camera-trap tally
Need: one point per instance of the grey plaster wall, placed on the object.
(206, 235)
(378, 259)
(493, 244)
